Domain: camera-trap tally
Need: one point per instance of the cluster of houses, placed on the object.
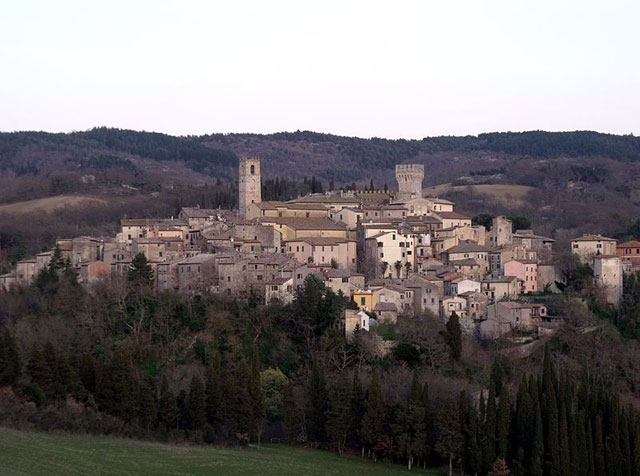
(390, 252)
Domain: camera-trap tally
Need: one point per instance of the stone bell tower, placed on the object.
(409, 177)
(249, 184)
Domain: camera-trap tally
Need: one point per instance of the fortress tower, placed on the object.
(249, 184)
(409, 177)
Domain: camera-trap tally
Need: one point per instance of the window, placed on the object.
(253, 170)
(160, 254)
(363, 301)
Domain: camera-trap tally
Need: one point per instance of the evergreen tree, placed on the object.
(10, 363)
(197, 403)
(490, 431)
(536, 465)
(374, 415)
(472, 448)
(289, 414)
(212, 392)
(356, 409)
(258, 411)
(140, 273)
(454, 337)
(167, 406)
(598, 449)
(318, 407)
(450, 441)
(503, 421)
(563, 436)
(147, 402)
(410, 425)
(338, 417)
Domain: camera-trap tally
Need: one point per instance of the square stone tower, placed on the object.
(249, 184)
(409, 177)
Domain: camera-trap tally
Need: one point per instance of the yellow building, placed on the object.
(364, 299)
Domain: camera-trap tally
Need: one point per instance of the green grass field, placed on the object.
(33, 453)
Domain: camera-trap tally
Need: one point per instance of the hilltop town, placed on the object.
(389, 252)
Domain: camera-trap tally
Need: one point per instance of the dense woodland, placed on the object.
(123, 360)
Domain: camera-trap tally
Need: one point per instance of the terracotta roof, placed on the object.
(318, 223)
(385, 306)
(278, 281)
(320, 240)
(500, 279)
(198, 259)
(593, 238)
(453, 215)
(465, 262)
(468, 246)
(629, 244)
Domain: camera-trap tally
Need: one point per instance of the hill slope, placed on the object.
(579, 181)
(36, 454)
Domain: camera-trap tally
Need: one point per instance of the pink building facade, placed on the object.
(527, 271)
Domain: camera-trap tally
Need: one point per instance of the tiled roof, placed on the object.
(319, 223)
(593, 238)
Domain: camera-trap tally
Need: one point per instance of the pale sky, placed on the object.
(367, 68)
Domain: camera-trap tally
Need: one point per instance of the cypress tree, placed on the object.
(258, 410)
(10, 363)
(212, 392)
(503, 419)
(472, 450)
(289, 414)
(563, 436)
(374, 415)
(147, 402)
(426, 406)
(167, 407)
(536, 465)
(625, 444)
(356, 410)
(318, 404)
(598, 450)
(338, 417)
(489, 434)
(454, 337)
(523, 425)
(197, 403)
(450, 441)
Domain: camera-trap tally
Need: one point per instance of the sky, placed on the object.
(395, 69)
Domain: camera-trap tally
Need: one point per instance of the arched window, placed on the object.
(253, 169)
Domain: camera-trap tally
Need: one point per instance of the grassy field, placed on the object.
(503, 192)
(49, 204)
(33, 453)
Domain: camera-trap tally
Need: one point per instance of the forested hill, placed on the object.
(327, 156)
(565, 182)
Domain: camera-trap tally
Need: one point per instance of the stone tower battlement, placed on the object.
(249, 184)
(409, 177)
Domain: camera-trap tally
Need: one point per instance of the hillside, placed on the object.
(36, 454)
(565, 183)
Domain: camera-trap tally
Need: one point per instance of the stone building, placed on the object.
(607, 272)
(501, 232)
(249, 184)
(588, 246)
(409, 177)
